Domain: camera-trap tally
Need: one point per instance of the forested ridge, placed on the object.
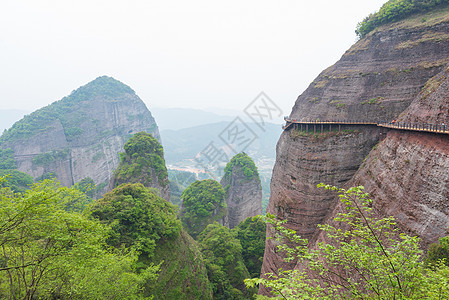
(396, 10)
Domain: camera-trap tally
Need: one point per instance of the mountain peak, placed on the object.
(103, 86)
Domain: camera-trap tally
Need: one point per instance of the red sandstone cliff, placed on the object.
(381, 77)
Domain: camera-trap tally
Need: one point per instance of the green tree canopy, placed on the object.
(439, 251)
(50, 252)
(251, 234)
(18, 181)
(245, 162)
(202, 203)
(138, 217)
(7, 160)
(226, 270)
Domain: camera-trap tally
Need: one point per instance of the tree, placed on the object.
(395, 10)
(138, 217)
(364, 258)
(143, 221)
(251, 234)
(202, 203)
(7, 160)
(245, 163)
(226, 270)
(48, 251)
(18, 181)
(439, 251)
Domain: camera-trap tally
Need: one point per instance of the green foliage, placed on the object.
(87, 186)
(143, 156)
(438, 252)
(183, 273)
(147, 223)
(202, 203)
(363, 258)
(395, 10)
(45, 159)
(251, 234)
(138, 217)
(243, 161)
(7, 160)
(50, 252)
(18, 181)
(222, 253)
(44, 176)
(63, 110)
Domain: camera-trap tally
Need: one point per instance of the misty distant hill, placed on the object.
(9, 116)
(188, 142)
(179, 118)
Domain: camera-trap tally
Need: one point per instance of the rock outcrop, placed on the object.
(380, 77)
(81, 135)
(143, 162)
(243, 189)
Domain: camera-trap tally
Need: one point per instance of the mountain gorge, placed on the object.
(387, 75)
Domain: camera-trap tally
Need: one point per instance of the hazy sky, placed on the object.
(195, 53)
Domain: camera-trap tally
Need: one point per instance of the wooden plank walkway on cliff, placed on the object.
(433, 128)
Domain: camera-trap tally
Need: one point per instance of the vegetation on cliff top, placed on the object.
(52, 252)
(64, 110)
(203, 203)
(243, 161)
(143, 157)
(395, 10)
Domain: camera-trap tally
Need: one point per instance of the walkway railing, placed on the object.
(437, 128)
(423, 127)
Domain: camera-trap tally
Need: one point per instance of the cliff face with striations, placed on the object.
(243, 189)
(81, 135)
(408, 172)
(383, 76)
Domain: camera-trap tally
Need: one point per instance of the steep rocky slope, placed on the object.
(243, 190)
(377, 79)
(408, 172)
(80, 135)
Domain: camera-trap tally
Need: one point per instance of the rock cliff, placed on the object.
(80, 135)
(408, 172)
(383, 76)
(243, 189)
